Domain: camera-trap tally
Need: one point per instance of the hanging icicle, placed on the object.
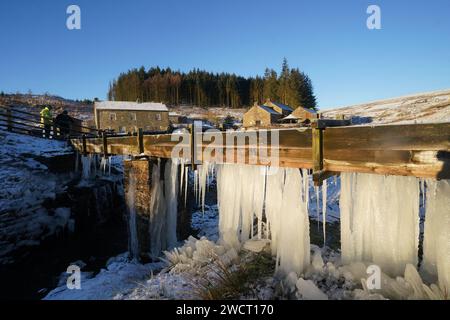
(133, 243)
(171, 195)
(436, 248)
(380, 220)
(317, 189)
(241, 199)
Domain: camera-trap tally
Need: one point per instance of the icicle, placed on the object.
(103, 164)
(86, 166)
(316, 188)
(182, 175)
(380, 220)
(324, 211)
(186, 182)
(196, 185)
(201, 184)
(274, 199)
(109, 165)
(436, 248)
(130, 200)
(171, 195)
(293, 244)
(157, 220)
(241, 199)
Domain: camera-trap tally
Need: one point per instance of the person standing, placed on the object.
(46, 120)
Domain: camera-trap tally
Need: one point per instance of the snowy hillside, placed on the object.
(26, 184)
(418, 108)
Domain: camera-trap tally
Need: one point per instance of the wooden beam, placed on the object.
(420, 150)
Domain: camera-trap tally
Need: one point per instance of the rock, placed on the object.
(307, 290)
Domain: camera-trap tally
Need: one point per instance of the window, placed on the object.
(158, 116)
(258, 122)
(112, 116)
(132, 116)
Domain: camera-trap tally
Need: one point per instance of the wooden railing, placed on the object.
(421, 150)
(19, 121)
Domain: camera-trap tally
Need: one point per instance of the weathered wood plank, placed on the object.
(420, 150)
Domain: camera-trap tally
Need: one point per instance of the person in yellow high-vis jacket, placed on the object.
(46, 120)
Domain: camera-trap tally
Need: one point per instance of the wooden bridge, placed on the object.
(421, 150)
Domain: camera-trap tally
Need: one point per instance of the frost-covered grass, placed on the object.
(236, 282)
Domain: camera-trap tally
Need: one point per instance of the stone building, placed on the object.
(303, 115)
(283, 109)
(261, 116)
(123, 117)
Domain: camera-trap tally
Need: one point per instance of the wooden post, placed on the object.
(105, 144)
(9, 118)
(141, 140)
(317, 148)
(84, 145)
(193, 151)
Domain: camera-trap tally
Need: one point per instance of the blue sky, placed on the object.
(328, 40)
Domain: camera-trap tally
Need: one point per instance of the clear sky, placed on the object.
(328, 40)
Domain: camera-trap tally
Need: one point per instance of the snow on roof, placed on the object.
(126, 105)
(269, 109)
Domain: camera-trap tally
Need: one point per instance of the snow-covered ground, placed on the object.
(25, 184)
(189, 271)
(418, 108)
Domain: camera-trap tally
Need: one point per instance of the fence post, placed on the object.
(192, 142)
(141, 140)
(84, 145)
(317, 151)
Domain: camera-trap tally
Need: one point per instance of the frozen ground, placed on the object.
(196, 268)
(419, 108)
(25, 184)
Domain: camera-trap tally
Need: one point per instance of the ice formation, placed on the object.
(243, 192)
(202, 179)
(86, 163)
(130, 199)
(380, 220)
(105, 165)
(163, 207)
(436, 248)
(293, 243)
(171, 194)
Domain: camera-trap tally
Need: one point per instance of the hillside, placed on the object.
(419, 108)
(82, 110)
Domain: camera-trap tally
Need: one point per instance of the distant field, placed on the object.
(420, 108)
